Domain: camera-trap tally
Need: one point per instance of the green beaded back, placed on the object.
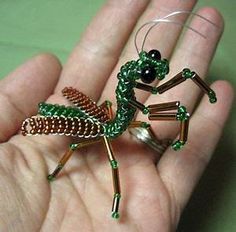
(129, 73)
(49, 110)
(124, 92)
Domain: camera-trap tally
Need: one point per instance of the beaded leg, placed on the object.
(67, 155)
(115, 178)
(107, 105)
(181, 115)
(181, 77)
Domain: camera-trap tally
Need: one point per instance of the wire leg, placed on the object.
(108, 106)
(183, 76)
(181, 115)
(115, 178)
(67, 155)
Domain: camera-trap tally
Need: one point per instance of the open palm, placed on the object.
(154, 189)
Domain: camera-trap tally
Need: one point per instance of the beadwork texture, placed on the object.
(82, 128)
(85, 109)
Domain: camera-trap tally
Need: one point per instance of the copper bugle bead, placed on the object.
(115, 177)
(137, 104)
(143, 87)
(115, 205)
(163, 116)
(171, 83)
(184, 130)
(164, 106)
(202, 85)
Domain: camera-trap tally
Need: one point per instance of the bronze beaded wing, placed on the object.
(83, 121)
(85, 104)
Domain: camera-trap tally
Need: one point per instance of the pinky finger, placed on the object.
(181, 170)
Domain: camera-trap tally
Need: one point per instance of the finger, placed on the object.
(94, 57)
(180, 171)
(23, 89)
(195, 53)
(92, 60)
(164, 37)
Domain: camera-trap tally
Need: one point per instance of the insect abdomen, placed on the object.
(83, 128)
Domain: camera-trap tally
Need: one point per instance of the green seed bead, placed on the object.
(177, 145)
(154, 90)
(114, 164)
(117, 195)
(182, 114)
(50, 178)
(108, 103)
(115, 215)
(187, 73)
(145, 125)
(213, 100)
(212, 97)
(145, 110)
(74, 146)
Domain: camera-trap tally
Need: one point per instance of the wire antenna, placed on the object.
(165, 19)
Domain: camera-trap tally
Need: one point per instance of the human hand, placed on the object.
(154, 190)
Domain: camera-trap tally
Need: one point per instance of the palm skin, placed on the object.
(80, 199)
(154, 189)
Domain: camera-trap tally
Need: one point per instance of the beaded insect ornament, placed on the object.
(95, 123)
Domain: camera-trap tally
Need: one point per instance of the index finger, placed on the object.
(93, 59)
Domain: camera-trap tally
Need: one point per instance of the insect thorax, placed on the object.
(124, 92)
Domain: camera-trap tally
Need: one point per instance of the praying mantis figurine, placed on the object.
(93, 123)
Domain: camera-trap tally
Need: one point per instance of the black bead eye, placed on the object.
(148, 74)
(154, 54)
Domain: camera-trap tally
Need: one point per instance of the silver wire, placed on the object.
(165, 19)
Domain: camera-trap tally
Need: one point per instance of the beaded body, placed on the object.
(124, 114)
(88, 110)
(124, 93)
(95, 123)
